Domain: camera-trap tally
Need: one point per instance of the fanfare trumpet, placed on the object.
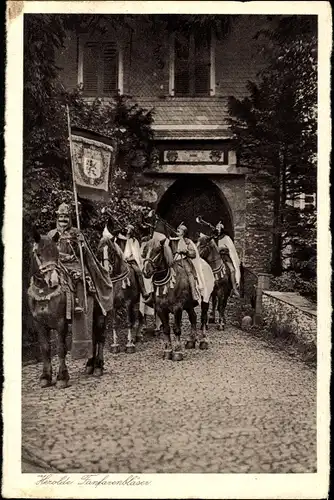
(107, 211)
(152, 213)
(200, 220)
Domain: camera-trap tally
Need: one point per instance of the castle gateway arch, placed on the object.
(193, 195)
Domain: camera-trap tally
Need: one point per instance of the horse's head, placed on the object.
(46, 257)
(204, 245)
(110, 254)
(157, 256)
(208, 249)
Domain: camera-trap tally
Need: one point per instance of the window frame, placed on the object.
(82, 40)
(212, 73)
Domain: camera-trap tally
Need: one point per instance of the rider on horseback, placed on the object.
(132, 255)
(229, 254)
(68, 244)
(185, 252)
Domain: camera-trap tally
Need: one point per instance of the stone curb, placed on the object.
(307, 352)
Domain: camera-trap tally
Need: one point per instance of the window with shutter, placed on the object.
(90, 68)
(192, 64)
(182, 64)
(202, 63)
(110, 73)
(100, 68)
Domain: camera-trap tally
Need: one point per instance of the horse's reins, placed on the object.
(164, 280)
(119, 277)
(44, 268)
(148, 259)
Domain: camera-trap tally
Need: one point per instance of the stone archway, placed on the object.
(193, 195)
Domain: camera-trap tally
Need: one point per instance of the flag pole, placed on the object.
(77, 209)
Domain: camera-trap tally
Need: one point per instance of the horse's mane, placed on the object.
(168, 253)
(111, 244)
(118, 250)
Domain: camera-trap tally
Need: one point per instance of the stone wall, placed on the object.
(259, 223)
(290, 314)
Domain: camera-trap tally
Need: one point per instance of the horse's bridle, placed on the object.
(119, 277)
(148, 259)
(45, 268)
(221, 266)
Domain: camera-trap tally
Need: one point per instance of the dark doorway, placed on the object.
(194, 195)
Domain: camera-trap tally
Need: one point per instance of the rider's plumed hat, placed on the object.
(182, 227)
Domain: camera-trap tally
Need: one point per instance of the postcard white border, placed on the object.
(212, 486)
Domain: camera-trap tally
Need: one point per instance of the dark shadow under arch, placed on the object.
(193, 195)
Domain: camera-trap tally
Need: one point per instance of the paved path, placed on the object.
(238, 407)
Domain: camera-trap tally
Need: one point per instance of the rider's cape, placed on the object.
(101, 279)
(200, 268)
(132, 251)
(145, 309)
(226, 242)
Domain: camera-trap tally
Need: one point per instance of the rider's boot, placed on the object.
(148, 297)
(234, 285)
(149, 300)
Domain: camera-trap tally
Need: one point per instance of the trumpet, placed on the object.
(200, 220)
(152, 213)
(107, 211)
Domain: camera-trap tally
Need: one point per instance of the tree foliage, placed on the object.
(276, 130)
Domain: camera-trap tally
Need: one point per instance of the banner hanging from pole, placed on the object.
(93, 157)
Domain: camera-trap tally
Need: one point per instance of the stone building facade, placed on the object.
(186, 81)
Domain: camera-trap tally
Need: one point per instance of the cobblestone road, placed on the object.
(238, 407)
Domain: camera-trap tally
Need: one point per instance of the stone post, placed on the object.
(82, 329)
(262, 284)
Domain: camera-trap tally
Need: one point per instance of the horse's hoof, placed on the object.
(98, 372)
(44, 382)
(177, 356)
(167, 354)
(190, 344)
(114, 348)
(130, 348)
(220, 327)
(89, 370)
(212, 320)
(203, 345)
(62, 384)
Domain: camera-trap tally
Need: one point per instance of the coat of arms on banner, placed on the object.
(91, 159)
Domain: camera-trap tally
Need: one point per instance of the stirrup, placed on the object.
(77, 307)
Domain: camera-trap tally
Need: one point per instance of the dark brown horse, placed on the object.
(172, 296)
(208, 250)
(126, 291)
(47, 299)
